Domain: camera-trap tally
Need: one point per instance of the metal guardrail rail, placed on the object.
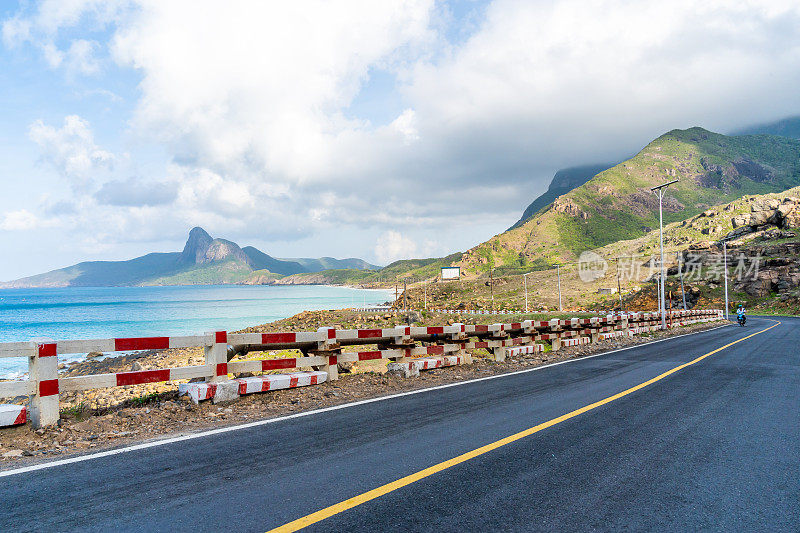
(320, 350)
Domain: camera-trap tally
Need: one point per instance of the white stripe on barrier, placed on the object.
(207, 391)
(12, 415)
(522, 350)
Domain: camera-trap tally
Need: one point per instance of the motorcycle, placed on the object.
(742, 319)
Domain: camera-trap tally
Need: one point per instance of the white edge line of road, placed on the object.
(248, 425)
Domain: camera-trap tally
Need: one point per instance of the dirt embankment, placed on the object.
(148, 411)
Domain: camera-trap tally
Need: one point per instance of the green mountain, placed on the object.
(787, 127)
(329, 263)
(204, 260)
(563, 181)
(617, 204)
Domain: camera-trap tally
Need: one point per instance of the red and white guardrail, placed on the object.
(321, 351)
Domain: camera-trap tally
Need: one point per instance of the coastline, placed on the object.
(106, 312)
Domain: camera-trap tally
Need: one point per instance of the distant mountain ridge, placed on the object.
(204, 260)
(563, 181)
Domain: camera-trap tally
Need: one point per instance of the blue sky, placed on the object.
(378, 130)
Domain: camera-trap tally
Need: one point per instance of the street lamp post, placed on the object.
(725, 259)
(659, 190)
(525, 281)
(680, 270)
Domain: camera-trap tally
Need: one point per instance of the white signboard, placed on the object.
(451, 272)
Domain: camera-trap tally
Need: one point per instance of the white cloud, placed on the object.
(71, 150)
(137, 192)
(392, 245)
(406, 125)
(20, 220)
(80, 57)
(251, 103)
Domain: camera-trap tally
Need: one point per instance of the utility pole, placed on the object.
(558, 273)
(491, 284)
(619, 287)
(405, 295)
(659, 189)
(680, 270)
(725, 260)
(425, 293)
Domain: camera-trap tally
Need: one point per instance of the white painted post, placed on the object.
(555, 344)
(217, 356)
(499, 354)
(43, 371)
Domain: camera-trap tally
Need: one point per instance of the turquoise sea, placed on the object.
(104, 312)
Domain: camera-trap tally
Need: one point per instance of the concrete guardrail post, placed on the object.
(43, 371)
(217, 356)
(555, 344)
(461, 337)
(328, 347)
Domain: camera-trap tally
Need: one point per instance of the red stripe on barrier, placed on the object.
(481, 329)
(331, 333)
(333, 359)
(367, 356)
(142, 343)
(48, 387)
(142, 376)
(314, 379)
(211, 390)
(516, 325)
(275, 364)
(47, 350)
(265, 385)
(292, 382)
(278, 338)
(22, 417)
(435, 350)
(435, 330)
(222, 369)
(481, 344)
(369, 333)
(221, 337)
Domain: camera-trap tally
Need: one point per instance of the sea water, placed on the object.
(107, 312)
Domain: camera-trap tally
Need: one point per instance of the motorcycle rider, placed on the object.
(740, 314)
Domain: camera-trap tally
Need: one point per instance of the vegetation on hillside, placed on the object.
(617, 204)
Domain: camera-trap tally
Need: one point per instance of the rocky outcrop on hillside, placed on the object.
(563, 204)
(755, 270)
(783, 214)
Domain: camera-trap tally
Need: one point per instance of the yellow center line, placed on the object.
(355, 501)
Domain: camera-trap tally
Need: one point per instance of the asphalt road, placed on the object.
(714, 446)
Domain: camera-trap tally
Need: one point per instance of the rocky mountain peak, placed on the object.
(197, 245)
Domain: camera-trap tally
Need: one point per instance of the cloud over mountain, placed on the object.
(257, 107)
